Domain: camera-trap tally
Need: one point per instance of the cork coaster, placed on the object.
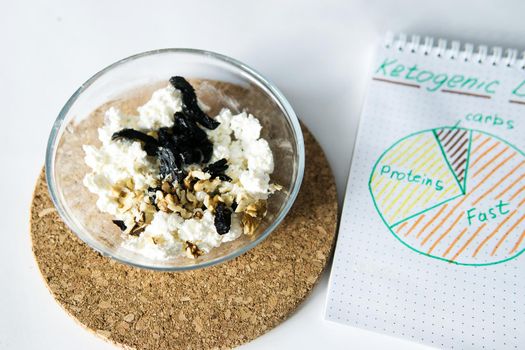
(218, 307)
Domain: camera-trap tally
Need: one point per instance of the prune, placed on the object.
(170, 164)
(121, 225)
(219, 165)
(164, 136)
(217, 169)
(185, 126)
(182, 144)
(187, 140)
(190, 107)
(150, 143)
(224, 177)
(207, 151)
(223, 219)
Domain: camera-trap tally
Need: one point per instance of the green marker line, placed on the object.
(408, 245)
(426, 210)
(446, 161)
(468, 161)
(435, 256)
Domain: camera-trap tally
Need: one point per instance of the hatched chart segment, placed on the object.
(413, 176)
(455, 144)
(495, 176)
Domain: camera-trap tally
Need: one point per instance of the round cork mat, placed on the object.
(219, 307)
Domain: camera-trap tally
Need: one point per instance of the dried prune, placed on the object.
(190, 107)
(182, 144)
(170, 164)
(186, 126)
(164, 137)
(150, 143)
(219, 165)
(207, 151)
(187, 140)
(121, 225)
(224, 177)
(223, 219)
(217, 169)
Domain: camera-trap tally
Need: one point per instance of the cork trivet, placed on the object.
(213, 308)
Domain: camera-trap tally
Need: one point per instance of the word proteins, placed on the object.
(409, 176)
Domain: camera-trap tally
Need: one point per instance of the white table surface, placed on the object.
(318, 53)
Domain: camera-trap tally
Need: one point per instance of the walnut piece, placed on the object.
(192, 250)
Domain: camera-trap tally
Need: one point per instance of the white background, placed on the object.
(317, 53)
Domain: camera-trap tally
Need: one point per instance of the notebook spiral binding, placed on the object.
(481, 54)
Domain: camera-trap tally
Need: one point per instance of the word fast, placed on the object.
(492, 213)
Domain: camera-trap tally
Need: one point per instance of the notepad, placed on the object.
(433, 226)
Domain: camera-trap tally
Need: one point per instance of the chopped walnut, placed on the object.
(166, 187)
(249, 224)
(130, 184)
(171, 201)
(158, 240)
(192, 250)
(126, 200)
(211, 202)
(257, 209)
(207, 185)
(198, 213)
(193, 177)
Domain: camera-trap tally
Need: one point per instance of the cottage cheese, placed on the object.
(122, 166)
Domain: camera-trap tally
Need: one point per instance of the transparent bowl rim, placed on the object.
(277, 94)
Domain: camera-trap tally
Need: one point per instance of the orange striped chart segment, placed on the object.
(453, 194)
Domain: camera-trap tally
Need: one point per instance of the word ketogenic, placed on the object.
(434, 81)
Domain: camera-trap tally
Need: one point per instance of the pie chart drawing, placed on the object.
(453, 194)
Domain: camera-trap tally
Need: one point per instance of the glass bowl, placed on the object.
(220, 82)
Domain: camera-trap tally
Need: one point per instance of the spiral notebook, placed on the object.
(433, 226)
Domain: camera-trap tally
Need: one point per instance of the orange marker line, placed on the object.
(414, 226)
(484, 154)
(506, 234)
(509, 187)
(445, 233)
(454, 242)
(467, 243)
(517, 192)
(498, 183)
(493, 159)
(476, 137)
(518, 242)
(432, 220)
(442, 222)
(468, 195)
(459, 203)
(493, 233)
(400, 227)
(475, 150)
